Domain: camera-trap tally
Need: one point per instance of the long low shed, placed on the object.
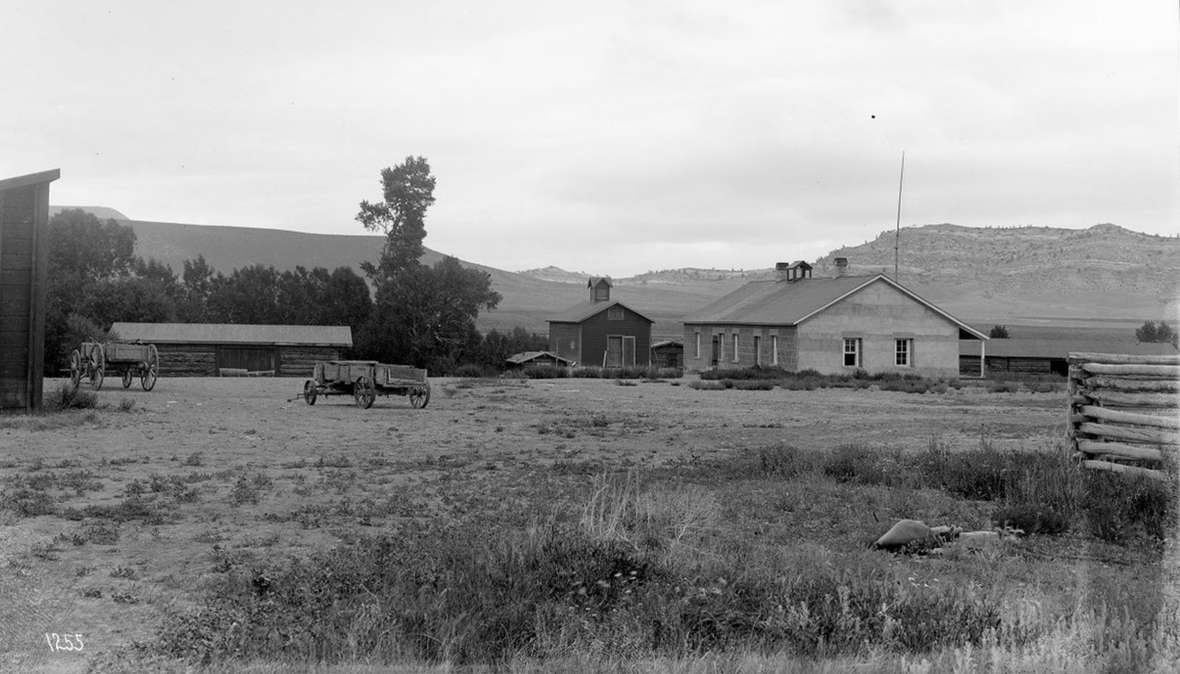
(206, 349)
(1047, 356)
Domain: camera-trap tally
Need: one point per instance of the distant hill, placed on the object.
(1011, 273)
(981, 274)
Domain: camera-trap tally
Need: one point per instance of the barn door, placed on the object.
(629, 351)
(614, 351)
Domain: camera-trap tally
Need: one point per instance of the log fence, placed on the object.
(1124, 412)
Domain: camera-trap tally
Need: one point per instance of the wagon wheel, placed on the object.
(151, 369)
(98, 365)
(419, 396)
(127, 378)
(364, 393)
(75, 368)
(309, 392)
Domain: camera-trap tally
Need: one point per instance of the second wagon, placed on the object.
(364, 380)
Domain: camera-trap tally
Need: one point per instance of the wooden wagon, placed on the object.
(364, 380)
(130, 360)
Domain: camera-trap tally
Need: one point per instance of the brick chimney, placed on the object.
(841, 266)
(782, 271)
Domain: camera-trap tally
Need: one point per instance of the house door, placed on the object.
(614, 351)
(716, 358)
(254, 359)
(629, 351)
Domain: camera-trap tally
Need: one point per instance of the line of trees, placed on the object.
(416, 314)
(1158, 331)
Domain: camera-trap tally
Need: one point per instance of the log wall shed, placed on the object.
(1018, 356)
(205, 349)
(24, 263)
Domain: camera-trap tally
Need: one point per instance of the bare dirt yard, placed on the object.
(114, 518)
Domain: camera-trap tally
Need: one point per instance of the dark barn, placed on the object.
(208, 349)
(24, 261)
(601, 332)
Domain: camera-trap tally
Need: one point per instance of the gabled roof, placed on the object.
(778, 302)
(232, 333)
(526, 356)
(30, 179)
(583, 310)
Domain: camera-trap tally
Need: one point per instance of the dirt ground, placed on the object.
(240, 469)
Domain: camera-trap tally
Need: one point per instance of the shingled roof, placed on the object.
(233, 333)
(583, 310)
(777, 302)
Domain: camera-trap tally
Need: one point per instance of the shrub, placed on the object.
(66, 397)
(998, 332)
(1032, 518)
(27, 502)
(756, 372)
(862, 464)
(1118, 507)
(750, 384)
(707, 385)
(545, 372)
(471, 371)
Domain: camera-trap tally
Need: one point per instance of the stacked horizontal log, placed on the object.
(1124, 411)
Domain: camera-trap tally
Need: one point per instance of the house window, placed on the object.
(697, 345)
(774, 349)
(904, 352)
(614, 314)
(601, 292)
(736, 356)
(757, 350)
(852, 352)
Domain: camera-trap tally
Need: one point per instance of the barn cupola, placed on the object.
(792, 271)
(599, 289)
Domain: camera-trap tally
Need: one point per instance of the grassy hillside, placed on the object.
(1015, 275)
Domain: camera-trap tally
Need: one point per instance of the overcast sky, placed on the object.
(609, 137)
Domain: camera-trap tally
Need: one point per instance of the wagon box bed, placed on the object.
(365, 380)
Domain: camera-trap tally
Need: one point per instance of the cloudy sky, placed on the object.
(610, 137)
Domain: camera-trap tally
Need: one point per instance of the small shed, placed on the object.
(527, 359)
(24, 264)
(667, 353)
(205, 349)
(601, 331)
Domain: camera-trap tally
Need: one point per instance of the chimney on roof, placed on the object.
(781, 271)
(841, 266)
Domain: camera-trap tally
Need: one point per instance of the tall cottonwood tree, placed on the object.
(422, 315)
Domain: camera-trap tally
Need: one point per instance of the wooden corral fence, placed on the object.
(1124, 411)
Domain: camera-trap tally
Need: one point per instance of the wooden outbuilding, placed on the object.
(24, 264)
(667, 353)
(601, 332)
(1027, 356)
(528, 359)
(209, 349)
(832, 325)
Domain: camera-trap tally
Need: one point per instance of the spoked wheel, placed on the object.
(364, 393)
(98, 365)
(75, 368)
(127, 378)
(419, 397)
(151, 369)
(309, 392)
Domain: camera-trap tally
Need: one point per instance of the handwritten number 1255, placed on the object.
(63, 642)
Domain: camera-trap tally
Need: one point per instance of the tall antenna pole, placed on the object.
(897, 231)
